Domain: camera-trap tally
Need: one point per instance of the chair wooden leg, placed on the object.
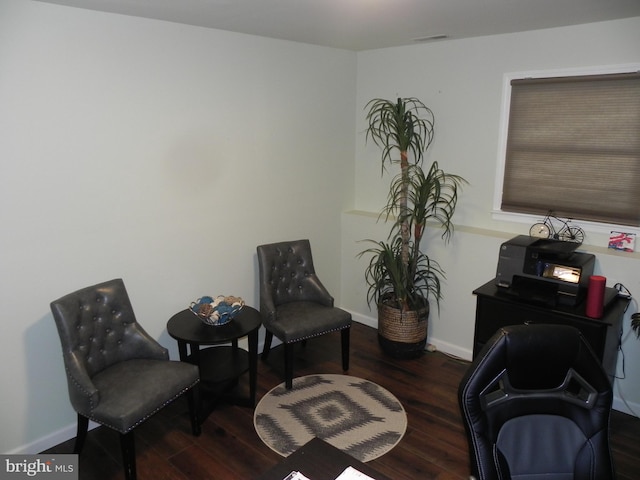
(81, 433)
(345, 334)
(127, 445)
(193, 399)
(288, 364)
(267, 344)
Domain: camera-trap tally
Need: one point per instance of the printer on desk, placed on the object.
(544, 270)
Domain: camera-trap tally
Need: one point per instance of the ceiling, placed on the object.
(369, 24)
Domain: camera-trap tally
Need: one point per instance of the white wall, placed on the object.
(462, 82)
(159, 153)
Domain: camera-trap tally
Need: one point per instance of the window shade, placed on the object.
(573, 147)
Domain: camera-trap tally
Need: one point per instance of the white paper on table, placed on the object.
(295, 476)
(351, 473)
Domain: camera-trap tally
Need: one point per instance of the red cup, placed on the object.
(595, 296)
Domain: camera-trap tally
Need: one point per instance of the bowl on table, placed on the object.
(216, 311)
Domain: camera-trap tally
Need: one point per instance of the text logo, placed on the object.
(50, 467)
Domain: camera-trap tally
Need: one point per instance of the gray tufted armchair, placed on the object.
(117, 375)
(294, 304)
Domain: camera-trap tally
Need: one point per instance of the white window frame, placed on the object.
(497, 212)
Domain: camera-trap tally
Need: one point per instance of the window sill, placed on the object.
(593, 230)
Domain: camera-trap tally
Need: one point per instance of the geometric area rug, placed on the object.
(352, 414)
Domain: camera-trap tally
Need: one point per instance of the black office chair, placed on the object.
(536, 404)
(294, 304)
(117, 375)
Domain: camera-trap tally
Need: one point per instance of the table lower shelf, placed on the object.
(220, 369)
(221, 364)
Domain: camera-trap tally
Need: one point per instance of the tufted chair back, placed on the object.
(287, 275)
(294, 304)
(536, 404)
(98, 329)
(104, 330)
(117, 375)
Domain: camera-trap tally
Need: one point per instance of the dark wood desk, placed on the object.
(318, 460)
(496, 309)
(220, 365)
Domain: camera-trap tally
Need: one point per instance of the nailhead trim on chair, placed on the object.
(149, 415)
(79, 386)
(318, 334)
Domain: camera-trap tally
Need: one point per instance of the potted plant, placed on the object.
(401, 278)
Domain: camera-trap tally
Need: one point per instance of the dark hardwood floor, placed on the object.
(434, 446)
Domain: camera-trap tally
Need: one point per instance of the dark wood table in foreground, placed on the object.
(318, 460)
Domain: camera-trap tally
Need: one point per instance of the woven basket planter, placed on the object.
(402, 334)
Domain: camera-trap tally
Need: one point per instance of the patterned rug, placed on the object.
(354, 415)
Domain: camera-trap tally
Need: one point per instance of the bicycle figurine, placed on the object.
(567, 233)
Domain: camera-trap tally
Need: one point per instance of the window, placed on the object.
(573, 146)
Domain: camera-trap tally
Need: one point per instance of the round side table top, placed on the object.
(186, 326)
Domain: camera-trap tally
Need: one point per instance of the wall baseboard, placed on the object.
(622, 405)
(48, 441)
(442, 346)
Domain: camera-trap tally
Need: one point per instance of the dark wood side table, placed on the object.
(496, 309)
(319, 460)
(223, 362)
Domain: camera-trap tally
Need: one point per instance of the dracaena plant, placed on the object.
(399, 272)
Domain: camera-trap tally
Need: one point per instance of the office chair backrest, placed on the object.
(536, 404)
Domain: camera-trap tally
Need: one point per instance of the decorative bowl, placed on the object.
(216, 311)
